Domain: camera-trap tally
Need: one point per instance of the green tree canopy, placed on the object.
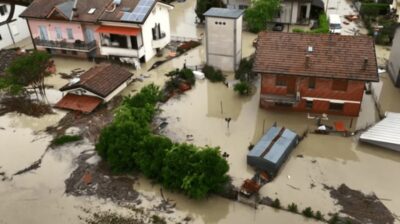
(28, 70)
(259, 13)
(203, 5)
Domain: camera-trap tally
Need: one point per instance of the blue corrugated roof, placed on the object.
(259, 148)
(278, 148)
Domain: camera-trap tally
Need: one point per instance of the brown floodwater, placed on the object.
(330, 160)
(38, 196)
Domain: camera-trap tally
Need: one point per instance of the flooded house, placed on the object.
(314, 73)
(224, 38)
(394, 63)
(97, 85)
(129, 30)
(14, 31)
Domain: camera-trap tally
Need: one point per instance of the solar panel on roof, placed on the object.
(139, 13)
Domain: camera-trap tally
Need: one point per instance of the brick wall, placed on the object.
(320, 95)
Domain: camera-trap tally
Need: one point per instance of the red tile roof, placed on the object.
(102, 79)
(332, 56)
(80, 103)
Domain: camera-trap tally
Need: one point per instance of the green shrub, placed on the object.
(149, 94)
(196, 171)
(244, 72)
(292, 208)
(308, 212)
(276, 203)
(298, 30)
(66, 139)
(319, 216)
(243, 88)
(212, 74)
(323, 24)
(374, 9)
(334, 219)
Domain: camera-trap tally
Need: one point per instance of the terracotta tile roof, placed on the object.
(41, 9)
(332, 56)
(7, 57)
(81, 103)
(102, 79)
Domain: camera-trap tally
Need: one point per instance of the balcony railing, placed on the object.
(63, 45)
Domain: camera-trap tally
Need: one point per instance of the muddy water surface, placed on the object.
(330, 160)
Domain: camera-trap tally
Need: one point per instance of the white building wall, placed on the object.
(394, 59)
(237, 4)
(239, 24)
(19, 28)
(159, 14)
(290, 11)
(223, 42)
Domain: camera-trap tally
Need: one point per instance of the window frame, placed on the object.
(70, 34)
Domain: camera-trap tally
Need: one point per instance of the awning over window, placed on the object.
(130, 31)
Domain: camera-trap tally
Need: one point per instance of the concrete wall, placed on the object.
(19, 28)
(321, 95)
(394, 59)
(223, 42)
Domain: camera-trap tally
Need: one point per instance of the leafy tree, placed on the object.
(149, 94)
(208, 174)
(178, 165)
(28, 70)
(259, 13)
(118, 143)
(150, 157)
(203, 5)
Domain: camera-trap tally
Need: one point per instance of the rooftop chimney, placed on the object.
(364, 67)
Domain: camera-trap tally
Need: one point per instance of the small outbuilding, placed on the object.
(224, 38)
(272, 150)
(385, 133)
(99, 84)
